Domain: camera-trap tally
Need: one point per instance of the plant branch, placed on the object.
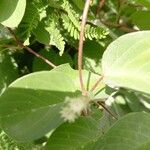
(107, 110)
(96, 84)
(122, 27)
(80, 48)
(21, 45)
(100, 5)
(120, 2)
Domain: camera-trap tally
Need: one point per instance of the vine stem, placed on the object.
(80, 48)
(30, 50)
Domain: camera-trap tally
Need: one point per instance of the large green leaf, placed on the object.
(11, 12)
(132, 132)
(31, 105)
(78, 135)
(126, 62)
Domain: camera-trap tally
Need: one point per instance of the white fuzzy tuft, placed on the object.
(74, 107)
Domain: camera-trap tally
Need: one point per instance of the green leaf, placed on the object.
(145, 3)
(131, 132)
(92, 54)
(6, 143)
(41, 34)
(89, 80)
(75, 136)
(29, 21)
(137, 102)
(31, 105)
(126, 62)
(4, 34)
(79, 3)
(8, 70)
(50, 32)
(141, 19)
(11, 12)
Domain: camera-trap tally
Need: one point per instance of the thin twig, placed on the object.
(100, 6)
(80, 48)
(122, 27)
(29, 49)
(96, 84)
(104, 107)
(120, 2)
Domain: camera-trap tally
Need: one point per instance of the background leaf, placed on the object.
(131, 132)
(141, 19)
(8, 70)
(126, 62)
(11, 12)
(76, 136)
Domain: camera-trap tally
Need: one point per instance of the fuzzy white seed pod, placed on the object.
(74, 107)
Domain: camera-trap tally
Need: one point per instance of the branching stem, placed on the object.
(30, 50)
(80, 48)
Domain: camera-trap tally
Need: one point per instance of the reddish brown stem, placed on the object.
(122, 27)
(96, 84)
(104, 107)
(30, 50)
(100, 5)
(80, 48)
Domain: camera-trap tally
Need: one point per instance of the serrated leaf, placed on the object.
(31, 105)
(50, 36)
(7, 143)
(11, 12)
(29, 22)
(56, 38)
(79, 3)
(126, 62)
(131, 132)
